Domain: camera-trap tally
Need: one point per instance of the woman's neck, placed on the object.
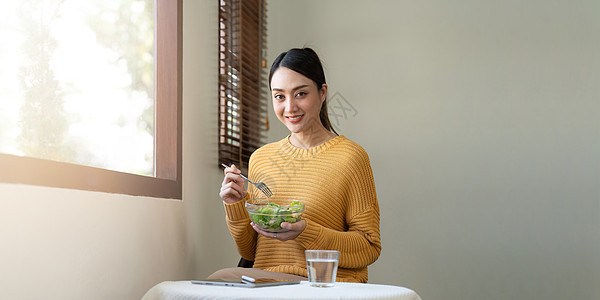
(306, 141)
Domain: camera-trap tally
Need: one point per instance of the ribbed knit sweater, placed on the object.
(336, 183)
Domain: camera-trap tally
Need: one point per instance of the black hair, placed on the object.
(306, 62)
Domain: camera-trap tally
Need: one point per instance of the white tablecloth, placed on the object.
(185, 290)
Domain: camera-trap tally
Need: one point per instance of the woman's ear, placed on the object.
(323, 92)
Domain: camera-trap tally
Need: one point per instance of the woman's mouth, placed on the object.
(294, 119)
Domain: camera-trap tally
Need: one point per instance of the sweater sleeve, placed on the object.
(238, 222)
(360, 244)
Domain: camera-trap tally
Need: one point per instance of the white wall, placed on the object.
(481, 119)
(69, 244)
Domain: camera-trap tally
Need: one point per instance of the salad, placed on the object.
(270, 216)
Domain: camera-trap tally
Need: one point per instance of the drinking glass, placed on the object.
(322, 267)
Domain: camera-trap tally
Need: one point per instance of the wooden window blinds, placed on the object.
(242, 77)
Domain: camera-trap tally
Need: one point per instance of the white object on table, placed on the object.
(184, 290)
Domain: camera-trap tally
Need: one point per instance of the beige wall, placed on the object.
(68, 244)
(481, 119)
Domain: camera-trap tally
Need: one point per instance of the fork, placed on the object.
(259, 185)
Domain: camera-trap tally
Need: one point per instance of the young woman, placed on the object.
(328, 172)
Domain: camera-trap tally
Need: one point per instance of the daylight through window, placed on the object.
(91, 95)
(77, 82)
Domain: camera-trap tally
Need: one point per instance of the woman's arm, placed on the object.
(238, 222)
(234, 195)
(360, 244)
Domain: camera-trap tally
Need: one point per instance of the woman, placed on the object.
(330, 173)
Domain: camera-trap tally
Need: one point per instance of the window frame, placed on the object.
(167, 181)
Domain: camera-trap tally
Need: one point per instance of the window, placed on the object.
(162, 178)
(242, 77)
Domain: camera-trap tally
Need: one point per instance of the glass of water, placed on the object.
(322, 267)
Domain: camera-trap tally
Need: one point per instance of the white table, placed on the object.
(184, 290)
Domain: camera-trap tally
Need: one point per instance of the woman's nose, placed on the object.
(290, 105)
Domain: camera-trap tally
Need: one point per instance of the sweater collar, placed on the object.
(291, 150)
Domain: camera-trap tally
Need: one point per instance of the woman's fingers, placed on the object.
(298, 226)
(232, 187)
(232, 169)
(228, 190)
(232, 191)
(293, 231)
(260, 231)
(231, 177)
(233, 174)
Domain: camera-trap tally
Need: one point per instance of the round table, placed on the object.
(184, 290)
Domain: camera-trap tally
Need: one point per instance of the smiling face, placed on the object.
(297, 101)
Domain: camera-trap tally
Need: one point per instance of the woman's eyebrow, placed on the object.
(296, 88)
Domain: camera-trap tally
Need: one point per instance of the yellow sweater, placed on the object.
(335, 181)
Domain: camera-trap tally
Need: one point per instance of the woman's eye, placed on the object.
(300, 94)
(279, 97)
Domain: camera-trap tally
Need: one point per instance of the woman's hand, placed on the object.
(232, 188)
(294, 230)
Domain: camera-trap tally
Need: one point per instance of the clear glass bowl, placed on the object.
(268, 214)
